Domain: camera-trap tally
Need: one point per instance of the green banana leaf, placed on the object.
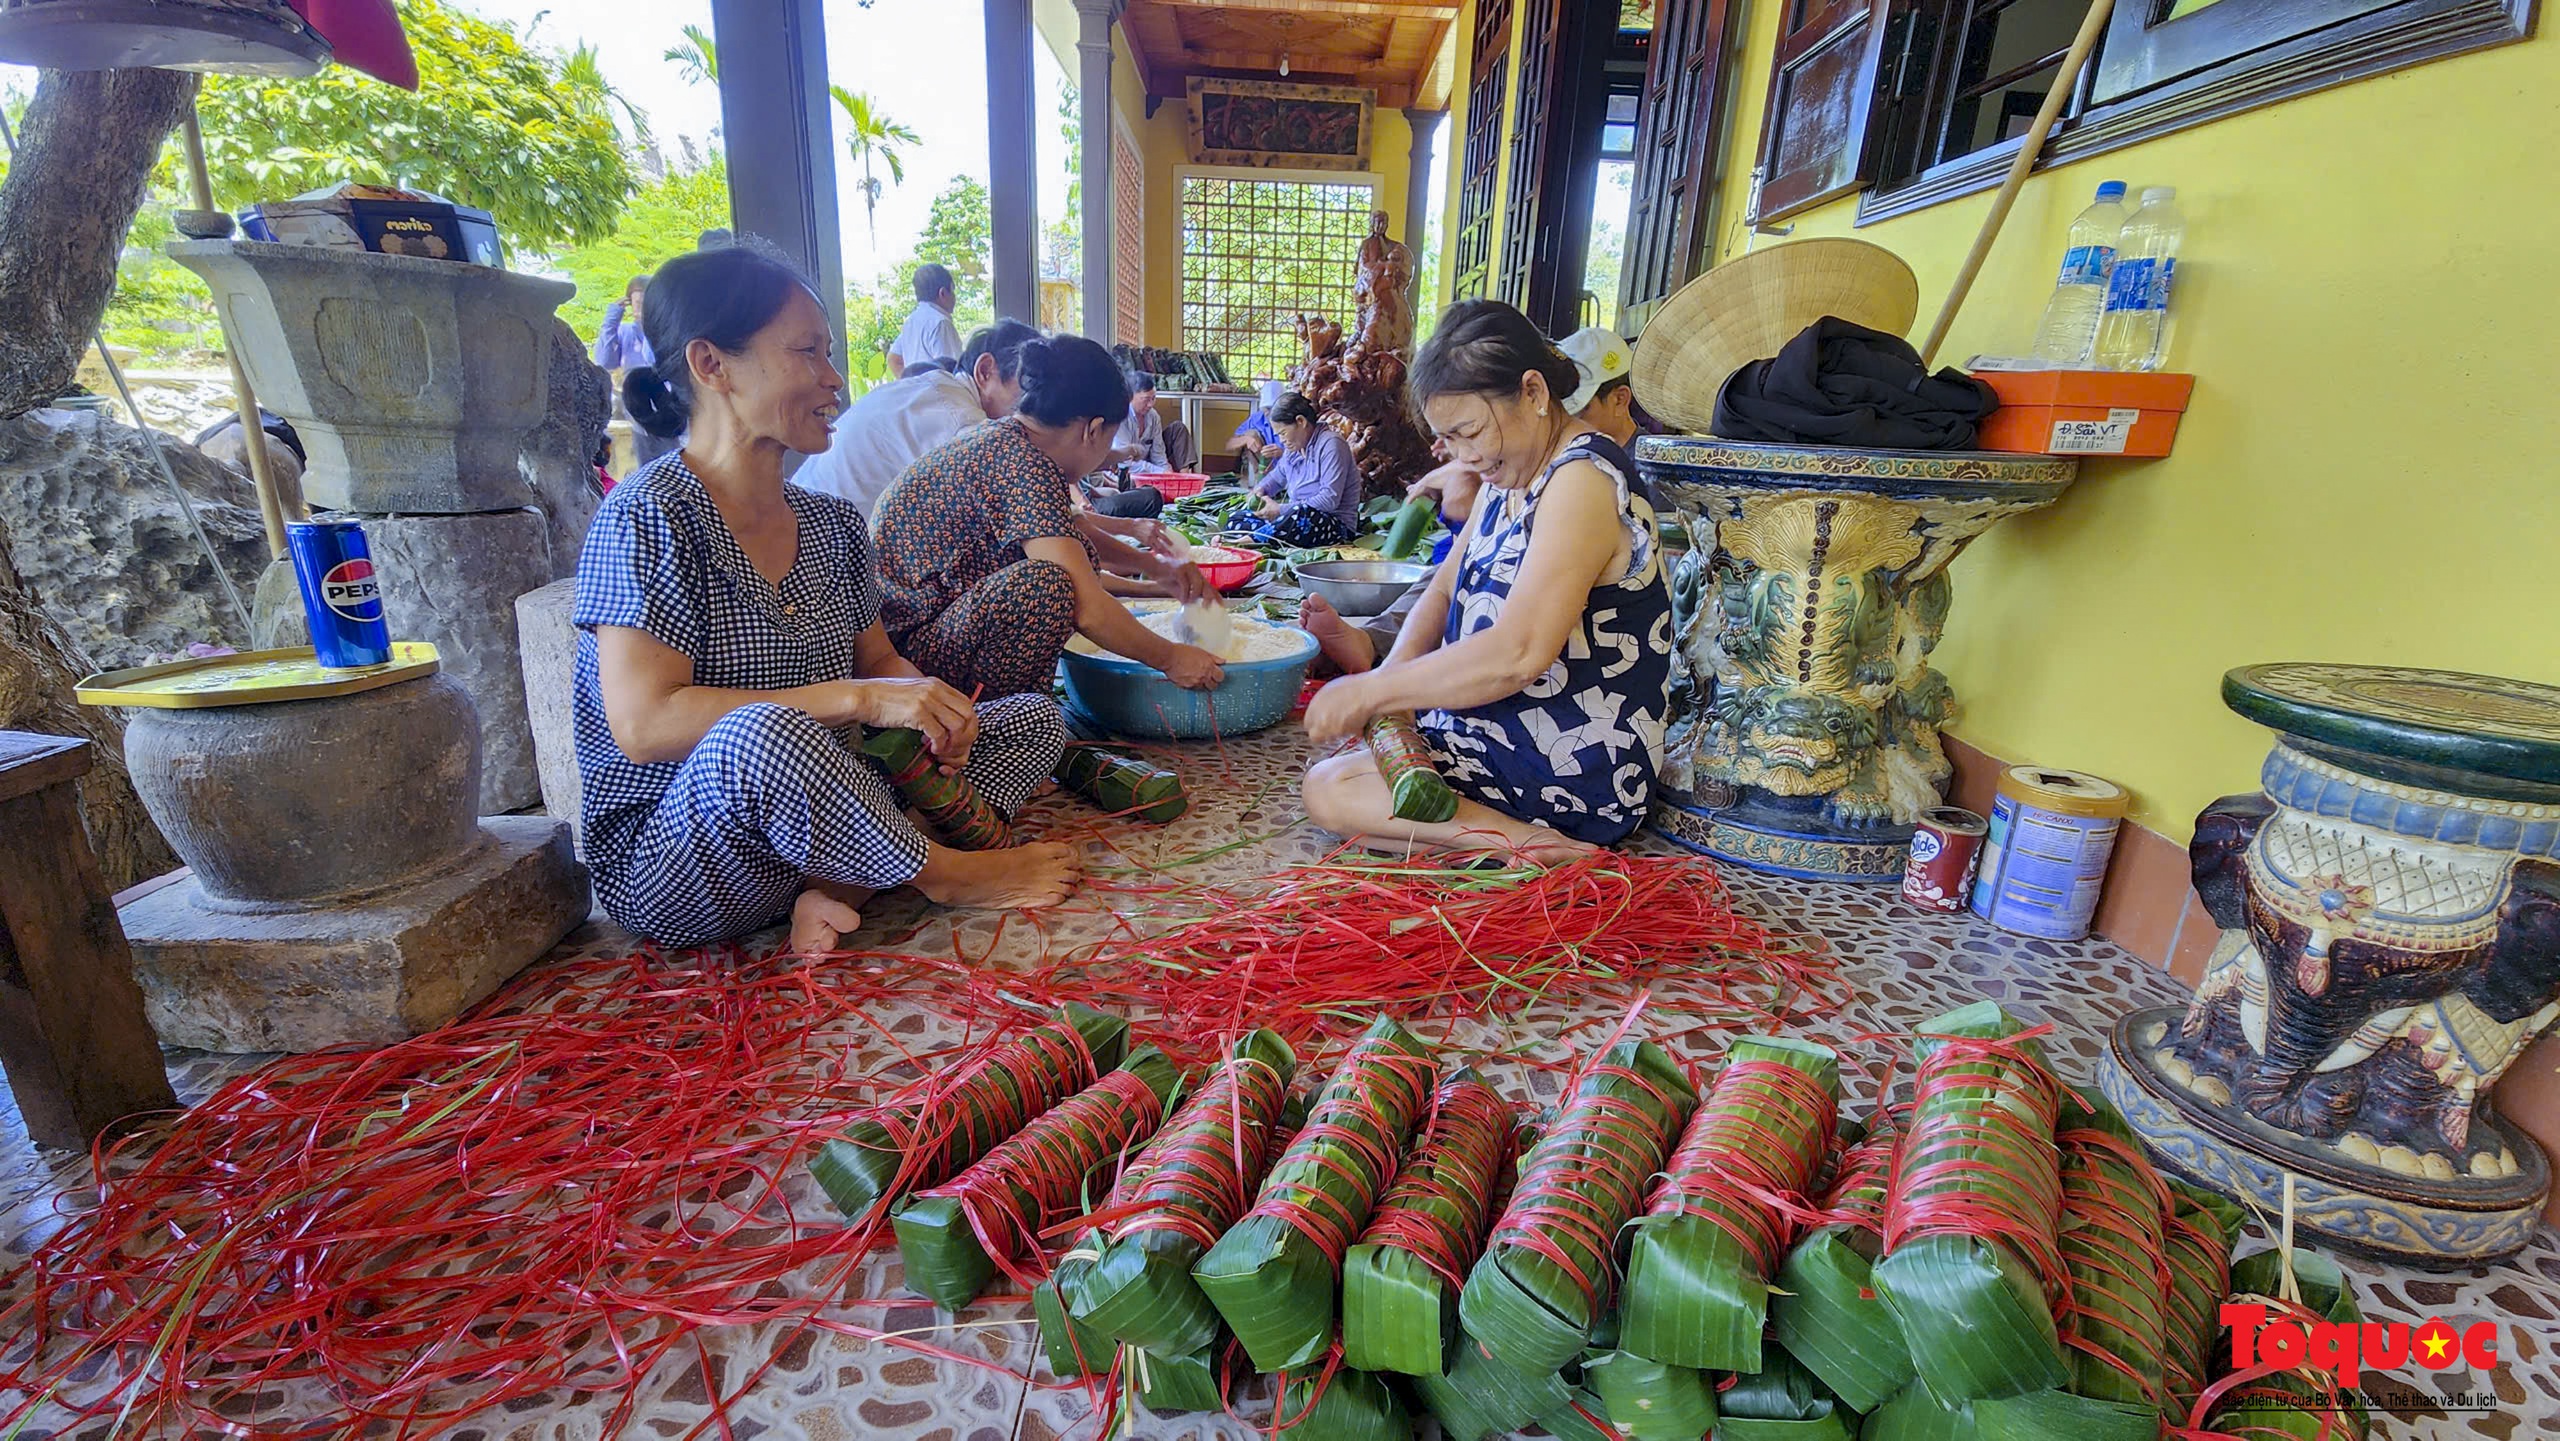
(1481, 1397)
(1137, 1287)
(1120, 782)
(1274, 1282)
(1400, 1284)
(2304, 1404)
(2114, 1208)
(1782, 1403)
(2061, 1416)
(1916, 1415)
(956, 1237)
(1345, 1405)
(1073, 1349)
(1697, 1294)
(1648, 1401)
(1824, 1308)
(1581, 1183)
(1974, 1310)
(1583, 1417)
(2197, 1243)
(1168, 1385)
(860, 1169)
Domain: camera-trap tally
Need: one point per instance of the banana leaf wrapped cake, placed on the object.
(956, 1237)
(1400, 1284)
(924, 1141)
(1549, 1271)
(1971, 1261)
(1132, 1278)
(1276, 1274)
(1824, 1309)
(2308, 1402)
(2197, 1239)
(1336, 1403)
(1783, 1402)
(1718, 1223)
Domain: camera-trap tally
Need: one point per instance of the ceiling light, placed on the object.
(1284, 64)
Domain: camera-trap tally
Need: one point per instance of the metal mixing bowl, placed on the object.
(1359, 588)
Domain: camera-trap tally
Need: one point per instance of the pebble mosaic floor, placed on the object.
(1905, 966)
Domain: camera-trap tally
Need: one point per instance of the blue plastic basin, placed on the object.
(1137, 701)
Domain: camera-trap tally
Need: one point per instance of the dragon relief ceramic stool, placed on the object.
(2390, 913)
(1806, 741)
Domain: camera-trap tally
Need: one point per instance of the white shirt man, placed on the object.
(928, 333)
(881, 434)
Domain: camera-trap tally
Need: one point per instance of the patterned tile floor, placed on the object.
(1905, 966)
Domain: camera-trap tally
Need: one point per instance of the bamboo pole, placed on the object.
(253, 434)
(2093, 25)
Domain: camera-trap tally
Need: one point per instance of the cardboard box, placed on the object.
(430, 229)
(2085, 412)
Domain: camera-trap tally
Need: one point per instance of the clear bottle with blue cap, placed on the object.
(2069, 331)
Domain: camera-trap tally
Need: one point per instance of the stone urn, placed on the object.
(413, 382)
(2390, 909)
(1814, 592)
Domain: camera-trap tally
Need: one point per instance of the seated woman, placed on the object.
(985, 574)
(1312, 496)
(730, 651)
(1540, 658)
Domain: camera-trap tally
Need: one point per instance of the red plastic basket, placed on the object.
(1226, 575)
(1174, 484)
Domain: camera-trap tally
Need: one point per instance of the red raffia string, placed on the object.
(1584, 1179)
(1012, 1194)
(950, 1125)
(1983, 1165)
(1455, 1180)
(2200, 1274)
(1859, 1181)
(1202, 1169)
(2285, 1391)
(2113, 1204)
(1354, 1135)
(1746, 1176)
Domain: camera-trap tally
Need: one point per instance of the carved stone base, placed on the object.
(1785, 838)
(2437, 1224)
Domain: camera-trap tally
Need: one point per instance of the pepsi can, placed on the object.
(341, 596)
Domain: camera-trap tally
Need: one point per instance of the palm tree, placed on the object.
(583, 77)
(698, 56)
(872, 135)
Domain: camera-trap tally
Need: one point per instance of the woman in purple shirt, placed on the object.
(1312, 496)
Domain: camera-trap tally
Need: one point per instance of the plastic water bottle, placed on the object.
(2134, 332)
(2070, 326)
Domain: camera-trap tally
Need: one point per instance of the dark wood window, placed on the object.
(1918, 101)
(1677, 142)
(1480, 178)
(1555, 157)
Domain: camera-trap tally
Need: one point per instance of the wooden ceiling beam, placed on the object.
(1442, 10)
(1439, 77)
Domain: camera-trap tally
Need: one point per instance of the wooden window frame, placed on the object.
(1480, 154)
(1215, 334)
(2170, 88)
(1680, 154)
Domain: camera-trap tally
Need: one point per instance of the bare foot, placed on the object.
(1024, 878)
(1348, 646)
(1554, 848)
(819, 921)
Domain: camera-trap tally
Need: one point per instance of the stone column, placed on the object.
(1013, 194)
(1093, 95)
(414, 383)
(1417, 180)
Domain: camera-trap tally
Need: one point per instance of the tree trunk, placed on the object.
(83, 166)
(82, 170)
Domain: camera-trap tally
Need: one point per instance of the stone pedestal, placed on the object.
(412, 382)
(452, 580)
(2390, 909)
(1815, 592)
(343, 889)
(550, 647)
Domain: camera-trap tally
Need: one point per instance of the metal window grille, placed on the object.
(1258, 253)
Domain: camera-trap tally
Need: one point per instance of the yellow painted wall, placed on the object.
(2367, 291)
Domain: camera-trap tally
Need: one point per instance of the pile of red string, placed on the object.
(1335, 943)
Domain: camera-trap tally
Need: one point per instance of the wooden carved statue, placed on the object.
(1359, 389)
(1384, 292)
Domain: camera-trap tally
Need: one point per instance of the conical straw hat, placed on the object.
(1747, 309)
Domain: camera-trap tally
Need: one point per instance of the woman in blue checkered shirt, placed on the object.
(731, 653)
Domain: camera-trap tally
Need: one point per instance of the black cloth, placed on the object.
(1840, 383)
(1143, 502)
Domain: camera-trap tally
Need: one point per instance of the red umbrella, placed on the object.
(367, 36)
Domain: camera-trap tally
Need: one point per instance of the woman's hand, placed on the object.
(1192, 668)
(1340, 709)
(1188, 582)
(945, 716)
(1272, 508)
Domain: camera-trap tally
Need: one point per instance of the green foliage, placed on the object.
(959, 232)
(161, 309)
(698, 56)
(664, 220)
(872, 137)
(494, 124)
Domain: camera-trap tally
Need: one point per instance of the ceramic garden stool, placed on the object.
(79, 1053)
(2390, 911)
(1806, 742)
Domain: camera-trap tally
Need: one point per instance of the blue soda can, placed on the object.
(340, 595)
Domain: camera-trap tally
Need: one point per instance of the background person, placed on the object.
(980, 554)
(1539, 661)
(897, 421)
(730, 647)
(928, 333)
(622, 345)
(1138, 448)
(1312, 496)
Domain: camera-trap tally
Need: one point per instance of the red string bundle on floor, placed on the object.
(1335, 942)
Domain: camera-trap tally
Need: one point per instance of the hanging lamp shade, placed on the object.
(243, 37)
(367, 36)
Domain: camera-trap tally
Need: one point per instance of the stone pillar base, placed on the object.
(367, 974)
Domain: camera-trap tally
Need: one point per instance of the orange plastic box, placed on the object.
(2085, 412)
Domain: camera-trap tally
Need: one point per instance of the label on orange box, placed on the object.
(2095, 437)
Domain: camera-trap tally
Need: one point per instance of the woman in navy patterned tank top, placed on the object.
(1539, 660)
